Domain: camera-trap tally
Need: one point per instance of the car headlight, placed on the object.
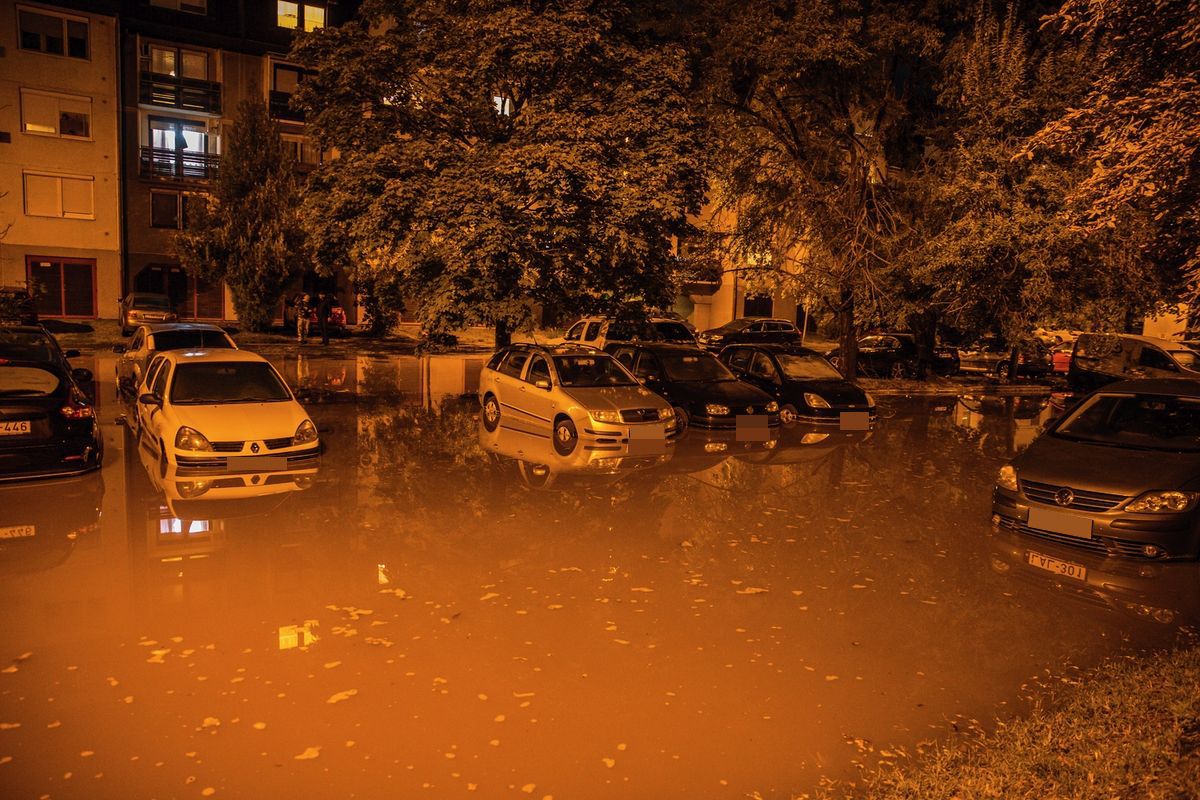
(666, 413)
(815, 400)
(813, 438)
(870, 400)
(606, 416)
(715, 447)
(189, 489)
(772, 407)
(191, 439)
(716, 410)
(1007, 479)
(305, 432)
(1162, 502)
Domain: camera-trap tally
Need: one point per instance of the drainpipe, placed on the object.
(122, 216)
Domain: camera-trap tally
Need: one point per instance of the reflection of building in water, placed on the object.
(1017, 420)
(425, 381)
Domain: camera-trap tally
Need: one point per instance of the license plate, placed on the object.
(15, 427)
(854, 420)
(752, 428)
(256, 463)
(1060, 522)
(17, 531)
(1057, 566)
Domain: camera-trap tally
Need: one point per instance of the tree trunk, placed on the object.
(847, 335)
(924, 328)
(503, 334)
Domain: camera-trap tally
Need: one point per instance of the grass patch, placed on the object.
(1130, 730)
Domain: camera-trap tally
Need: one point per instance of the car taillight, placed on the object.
(77, 411)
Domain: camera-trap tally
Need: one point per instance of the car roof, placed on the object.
(661, 347)
(781, 347)
(27, 329)
(212, 356)
(160, 327)
(1185, 387)
(50, 366)
(564, 349)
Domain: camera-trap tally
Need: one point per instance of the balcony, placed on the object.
(190, 94)
(161, 162)
(279, 104)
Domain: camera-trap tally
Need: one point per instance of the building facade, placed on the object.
(60, 209)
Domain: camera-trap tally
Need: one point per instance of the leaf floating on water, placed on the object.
(340, 696)
(831, 677)
(309, 753)
(752, 590)
(489, 596)
(609, 762)
(332, 664)
(641, 589)
(156, 656)
(8, 726)
(528, 788)
(207, 791)
(403, 595)
(259, 726)
(9, 670)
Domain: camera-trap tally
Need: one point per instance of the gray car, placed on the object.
(144, 307)
(151, 339)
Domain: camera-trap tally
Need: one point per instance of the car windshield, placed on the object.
(191, 340)
(583, 371)
(737, 325)
(18, 381)
(24, 346)
(1188, 359)
(694, 367)
(151, 301)
(1137, 421)
(227, 382)
(805, 368)
(673, 332)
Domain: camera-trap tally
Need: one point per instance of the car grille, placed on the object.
(1101, 545)
(1083, 500)
(275, 444)
(639, 415)
(227, 447)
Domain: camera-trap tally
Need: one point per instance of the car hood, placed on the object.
(1099, 468)
(731, 393)
(242, 421)
(836, 392)
(615, 398)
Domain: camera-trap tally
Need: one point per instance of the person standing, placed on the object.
(303, 313)
(324, 309)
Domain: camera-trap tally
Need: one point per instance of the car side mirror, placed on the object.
(542, 383)
(82, 375)
(118, 348)
(150, 399)
(72, 354)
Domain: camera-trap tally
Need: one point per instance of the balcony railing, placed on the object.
(279, 105)
(161, 162)
(186, 93)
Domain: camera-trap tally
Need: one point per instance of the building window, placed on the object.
(178, 63)
(304, 152)
(172, 209)
(68, 196)
(56, 114)
(52, 33)
(62, 287)
(286, 78)
(291, 15)
(190, 6)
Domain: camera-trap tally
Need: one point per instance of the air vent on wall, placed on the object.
(5, 137)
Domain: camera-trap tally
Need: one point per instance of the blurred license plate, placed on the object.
(752, 428)
(1067, 568)
(256, 463)
(854, 420)
(15, 427)
(1060, 522)
(17, 531)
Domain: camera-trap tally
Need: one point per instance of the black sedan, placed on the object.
(47, 425)
(703, 392)
(1117, 475)
(750, 330)
(895, 355)
(805, 385)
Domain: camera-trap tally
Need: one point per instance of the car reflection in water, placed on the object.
(41, 523)
(535, 461)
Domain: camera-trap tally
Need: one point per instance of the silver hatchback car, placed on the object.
(571, 392)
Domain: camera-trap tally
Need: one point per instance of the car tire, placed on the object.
(681, 420)
(897, 370)
(565, 436)
(491, 413)
(1001, 370)
(788, 414)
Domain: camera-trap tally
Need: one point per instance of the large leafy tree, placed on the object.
(249, 233)
(1136, 128)
(815, 102)
(494, 155)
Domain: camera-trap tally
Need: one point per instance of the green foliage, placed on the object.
(249, 234)
(496, 155)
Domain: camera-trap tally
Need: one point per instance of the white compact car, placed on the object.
(222, 411)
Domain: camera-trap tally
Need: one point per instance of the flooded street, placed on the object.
(440, 611)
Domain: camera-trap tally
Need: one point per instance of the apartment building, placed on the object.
(60, 209)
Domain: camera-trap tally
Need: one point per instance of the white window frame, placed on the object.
(64, 18)
(25, 174)
(58, 134)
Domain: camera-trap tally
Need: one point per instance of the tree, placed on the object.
(814, 103)
(1136, 129)
(249, 233)
(495, 155)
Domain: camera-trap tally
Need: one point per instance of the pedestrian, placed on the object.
(324, 309)
(303, 306)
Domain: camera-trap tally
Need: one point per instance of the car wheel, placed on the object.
(681, 419)
(836, 363)
(1002, 370)
(788, 414)
(898, 370)
(491, 413)
(565, 436)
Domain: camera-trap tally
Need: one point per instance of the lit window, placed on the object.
(53, 34)
(504, 106)
(59, 196)
(314, 17)
(288, 14)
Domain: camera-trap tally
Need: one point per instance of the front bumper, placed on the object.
(210, 463)
(1113, 534)
(629, 433)
(833, 416)
(729, 422)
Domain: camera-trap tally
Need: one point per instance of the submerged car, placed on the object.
(151, 339)
(602, 331)
(896, 355)
(535, 461)
(992, 356)
(1101, 358)
(806, 386)
(222, 411)
(1118, 475)
(141, 307)
(35, 343)
(47, 425)
(569, 393)
(700, 388)
(750, 330)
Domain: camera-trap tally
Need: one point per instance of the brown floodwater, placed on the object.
(436, 611)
